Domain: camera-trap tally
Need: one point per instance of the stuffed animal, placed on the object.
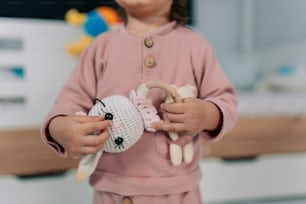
(95, 22)
(183, 152)
(130, 117)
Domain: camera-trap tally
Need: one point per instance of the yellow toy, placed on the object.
(94, 23)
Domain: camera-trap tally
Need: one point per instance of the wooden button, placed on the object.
(149, 42)
(127, 200)
(149, 62)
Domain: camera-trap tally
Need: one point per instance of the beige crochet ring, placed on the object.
(130, 116)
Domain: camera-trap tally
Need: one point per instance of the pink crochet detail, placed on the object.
(146, 109)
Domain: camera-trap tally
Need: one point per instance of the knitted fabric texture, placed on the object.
(127, 125)
(126, 129)
(146, 109)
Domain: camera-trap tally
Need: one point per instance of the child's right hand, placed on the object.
(75, 133)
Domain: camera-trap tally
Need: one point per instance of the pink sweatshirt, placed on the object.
(118, 62)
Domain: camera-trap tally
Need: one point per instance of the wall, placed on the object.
(254, 38)
(278, 22)
(273, 22)
(218, 21)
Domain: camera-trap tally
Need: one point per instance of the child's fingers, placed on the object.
(95, 140)
(92, 127)
(175, 118)
(84, 118)
(90, 144)
(169, 127)
(177, 108)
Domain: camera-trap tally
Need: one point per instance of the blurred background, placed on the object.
(261, 45)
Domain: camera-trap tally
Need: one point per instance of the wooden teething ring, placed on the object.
(172, 93)
(167, 87)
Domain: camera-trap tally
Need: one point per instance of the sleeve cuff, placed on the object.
(49, 141)
(214, 136)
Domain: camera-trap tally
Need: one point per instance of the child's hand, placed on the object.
(190, 117)
(75, 133)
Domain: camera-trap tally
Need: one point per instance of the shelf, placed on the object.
(254, 136)
(22, 151)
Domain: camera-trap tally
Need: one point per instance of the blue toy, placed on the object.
(94, 23)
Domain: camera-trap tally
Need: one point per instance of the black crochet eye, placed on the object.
(119, 142)
(109, 116)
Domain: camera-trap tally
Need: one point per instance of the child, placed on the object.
(153, 44)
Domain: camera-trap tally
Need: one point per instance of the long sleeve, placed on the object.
(214, 86)
(77, 94)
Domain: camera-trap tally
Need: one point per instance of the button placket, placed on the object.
(149, 57)
(149, 60)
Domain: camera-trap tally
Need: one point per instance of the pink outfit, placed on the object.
(116, 63)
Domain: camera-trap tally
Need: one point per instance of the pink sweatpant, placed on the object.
(191, 197)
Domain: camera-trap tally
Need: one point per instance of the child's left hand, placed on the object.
(190, 117)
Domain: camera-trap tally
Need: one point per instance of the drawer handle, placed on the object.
(240, 159)
(12, 102)
(11, 72)
(14, 44)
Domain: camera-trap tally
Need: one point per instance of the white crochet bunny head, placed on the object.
(127, 123)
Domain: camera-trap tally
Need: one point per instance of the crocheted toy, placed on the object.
(130, 117)
(95, 22)
(184, 151)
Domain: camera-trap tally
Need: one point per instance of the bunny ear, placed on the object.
(142, 90)
(87, 165)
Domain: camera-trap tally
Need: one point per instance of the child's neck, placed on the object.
(141, 27)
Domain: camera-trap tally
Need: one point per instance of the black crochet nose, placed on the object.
(108, 116)
(119, 140)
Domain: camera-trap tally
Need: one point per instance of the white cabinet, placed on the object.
(45, 190)
(33, 67)
(275, 176)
